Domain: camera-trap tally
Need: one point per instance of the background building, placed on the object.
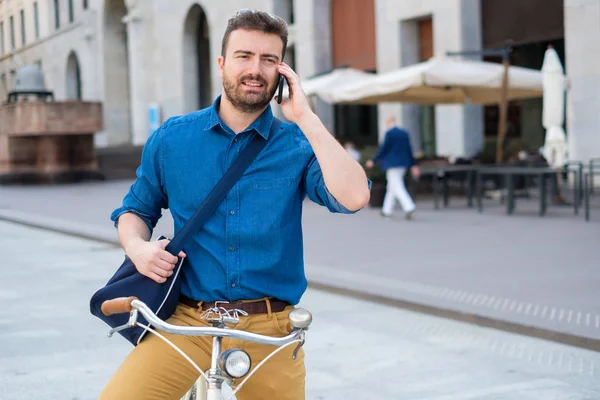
(134, 55)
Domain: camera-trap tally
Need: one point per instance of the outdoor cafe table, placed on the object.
(440, 176)
(510, 172)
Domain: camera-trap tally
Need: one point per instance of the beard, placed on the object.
(248, 102)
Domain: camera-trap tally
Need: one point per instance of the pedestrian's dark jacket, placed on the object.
(395, 150)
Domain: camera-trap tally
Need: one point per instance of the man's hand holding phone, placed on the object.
(296, 106)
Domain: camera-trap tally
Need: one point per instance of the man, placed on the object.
(351, 149)
(395, 157)
(251, 248)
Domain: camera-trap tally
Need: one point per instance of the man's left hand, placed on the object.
(296, 106)
(415, 171)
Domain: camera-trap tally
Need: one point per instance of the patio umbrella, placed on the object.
(553, 113)
(443, 81)
(324, 84)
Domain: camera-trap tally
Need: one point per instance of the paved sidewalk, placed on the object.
(52, 348)
(536, 274)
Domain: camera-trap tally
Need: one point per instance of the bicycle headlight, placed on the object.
(234, 362)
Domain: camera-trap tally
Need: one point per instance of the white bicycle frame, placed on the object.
(209, 384)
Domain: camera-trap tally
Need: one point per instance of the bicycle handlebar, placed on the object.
(120, 305)
(132, 304)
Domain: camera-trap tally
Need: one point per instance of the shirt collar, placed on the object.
(262, 124)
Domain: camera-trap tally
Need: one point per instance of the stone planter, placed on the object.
(48, 141)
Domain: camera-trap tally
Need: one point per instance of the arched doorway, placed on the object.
(196, 60)
(116, 73)
(73, 78)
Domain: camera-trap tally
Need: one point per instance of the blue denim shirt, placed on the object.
(251, 247)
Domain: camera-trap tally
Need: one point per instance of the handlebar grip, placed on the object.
(120, 305)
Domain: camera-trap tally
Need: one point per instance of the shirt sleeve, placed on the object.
(146, 197)
(314, 184)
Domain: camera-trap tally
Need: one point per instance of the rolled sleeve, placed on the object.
(318, 192)
(146, 197)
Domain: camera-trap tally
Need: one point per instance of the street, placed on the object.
(51, 347)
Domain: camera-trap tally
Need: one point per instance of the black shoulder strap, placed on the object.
(216, 196)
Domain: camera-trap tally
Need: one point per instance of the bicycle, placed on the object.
(225, 365)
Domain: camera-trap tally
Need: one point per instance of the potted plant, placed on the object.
(375, 175)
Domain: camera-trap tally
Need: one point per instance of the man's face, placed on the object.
(249, 69)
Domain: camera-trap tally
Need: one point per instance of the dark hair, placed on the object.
(253, 20)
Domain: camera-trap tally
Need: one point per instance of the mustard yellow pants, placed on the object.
(153, 370)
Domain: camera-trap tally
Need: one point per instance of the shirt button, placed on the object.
(233, 284)
(235, 140)
(231, 212)
(232, 248)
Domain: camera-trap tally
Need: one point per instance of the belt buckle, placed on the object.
(218, 315)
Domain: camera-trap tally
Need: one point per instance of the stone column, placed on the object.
(582, 49)
(139, 28)
(311, 34)
(456, 27)
(459, 128)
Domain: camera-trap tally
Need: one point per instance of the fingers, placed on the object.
(163, 245)
(163, 273)
(168, 257)
(162, 264)
(156, 278)
(288, 72)
(160, 253)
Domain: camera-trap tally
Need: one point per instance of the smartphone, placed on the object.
(280, 89)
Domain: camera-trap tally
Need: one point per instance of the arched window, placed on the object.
(73, 78)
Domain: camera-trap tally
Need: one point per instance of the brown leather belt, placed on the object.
(253, 307)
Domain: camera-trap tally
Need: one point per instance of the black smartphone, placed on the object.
(280, 89)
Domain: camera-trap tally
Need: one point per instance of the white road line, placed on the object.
(520, 308)
(521, 351)
(497, 305)
(570, 363)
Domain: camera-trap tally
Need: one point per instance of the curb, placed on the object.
(470, 318)
(84, 231)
